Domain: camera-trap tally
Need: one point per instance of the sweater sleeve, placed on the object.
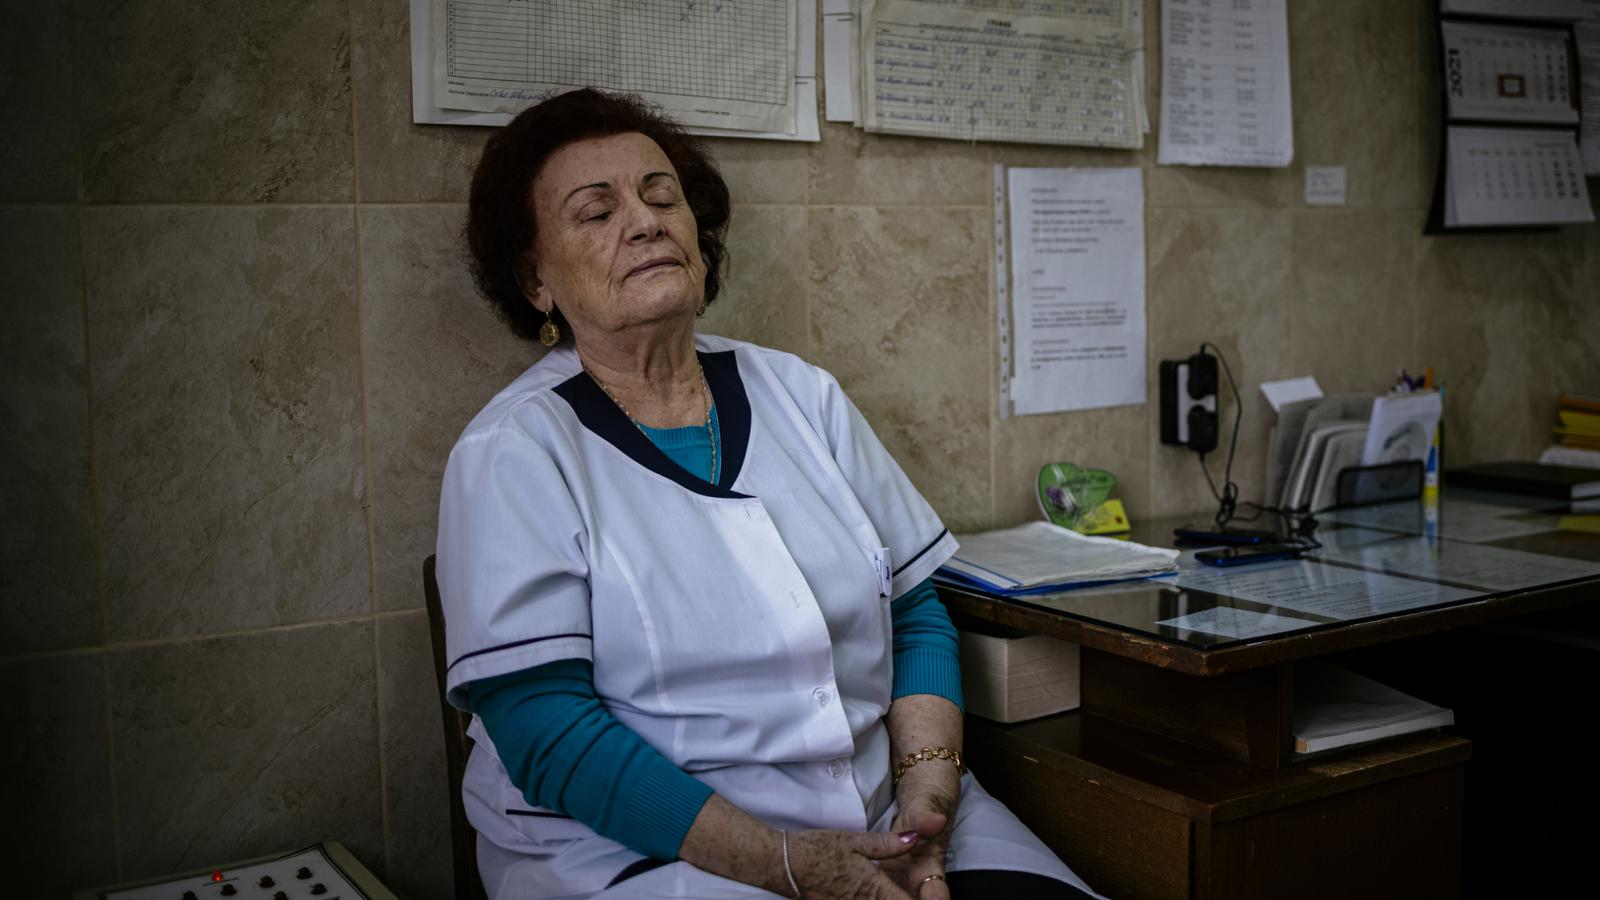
(564, 751)
(926, 648)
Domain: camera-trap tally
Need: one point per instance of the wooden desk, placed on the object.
(1176, 778)
(1138, 816)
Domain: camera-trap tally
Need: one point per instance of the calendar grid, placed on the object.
(1510, 154)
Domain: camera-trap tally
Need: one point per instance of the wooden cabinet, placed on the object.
(1143, 816)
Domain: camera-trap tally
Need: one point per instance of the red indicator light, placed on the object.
(216, 876)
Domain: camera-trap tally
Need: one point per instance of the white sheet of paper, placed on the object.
(1517, 9)
(1508, 73)
(1237, 623)
(427, 100)
(1589, 70)
(1315, 588)
(1402, 427)
(1514, 176)
(1225, 84)
(1077, 288)
(1324, 185)
(1029, 71)
(1036, 554)
(1458, 562)
(839, 54)
(1291, 390)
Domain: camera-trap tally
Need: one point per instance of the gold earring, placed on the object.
(549, 332)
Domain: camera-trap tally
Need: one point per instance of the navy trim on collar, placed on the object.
(733, 413)
(600, 415)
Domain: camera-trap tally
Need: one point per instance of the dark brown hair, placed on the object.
(500, 217)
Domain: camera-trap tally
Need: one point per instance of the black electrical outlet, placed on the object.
(1202, 429)
(1189, 402)
(1202, 376)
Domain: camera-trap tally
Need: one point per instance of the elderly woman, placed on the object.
(685, 586)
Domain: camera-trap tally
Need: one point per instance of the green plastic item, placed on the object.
(1068, 495)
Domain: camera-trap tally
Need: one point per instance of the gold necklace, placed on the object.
(705, 389)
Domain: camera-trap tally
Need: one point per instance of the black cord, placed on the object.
(1301, 523)
(1228, 497)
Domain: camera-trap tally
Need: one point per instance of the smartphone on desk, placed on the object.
(1246, 554)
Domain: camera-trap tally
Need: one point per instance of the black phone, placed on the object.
(1222, 534)
(1252, 553)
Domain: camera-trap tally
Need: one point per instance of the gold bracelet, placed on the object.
(927, 753)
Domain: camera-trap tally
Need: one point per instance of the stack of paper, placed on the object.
(1313, 442)
(1326, 451)
(1580, 421)
(1039, 557)
(1316, 440)
(1335, 707)
(1580, 417)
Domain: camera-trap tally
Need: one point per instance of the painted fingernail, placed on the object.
(907, 837)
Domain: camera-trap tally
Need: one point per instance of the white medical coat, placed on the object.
(740, 628)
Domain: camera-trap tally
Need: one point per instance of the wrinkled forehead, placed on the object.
(617, 160)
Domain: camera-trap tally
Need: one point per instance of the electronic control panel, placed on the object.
(319, 872)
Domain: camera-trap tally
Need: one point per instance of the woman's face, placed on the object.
(616, 245)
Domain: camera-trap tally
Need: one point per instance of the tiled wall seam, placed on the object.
(32, 656)
(368, 498)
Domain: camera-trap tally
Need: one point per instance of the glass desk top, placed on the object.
(1375, 562)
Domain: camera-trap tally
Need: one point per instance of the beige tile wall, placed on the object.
(241, 341)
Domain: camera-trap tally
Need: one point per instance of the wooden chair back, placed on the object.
(463, 839)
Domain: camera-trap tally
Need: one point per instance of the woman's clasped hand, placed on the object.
(905, 862)
(836, 865)
(928, 796)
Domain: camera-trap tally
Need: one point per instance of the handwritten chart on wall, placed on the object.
(725, 64)
(1003, 70)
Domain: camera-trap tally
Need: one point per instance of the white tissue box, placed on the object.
(1011, 676)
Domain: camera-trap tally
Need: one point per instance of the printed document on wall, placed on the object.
(1225, 83)
(1077, 273)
